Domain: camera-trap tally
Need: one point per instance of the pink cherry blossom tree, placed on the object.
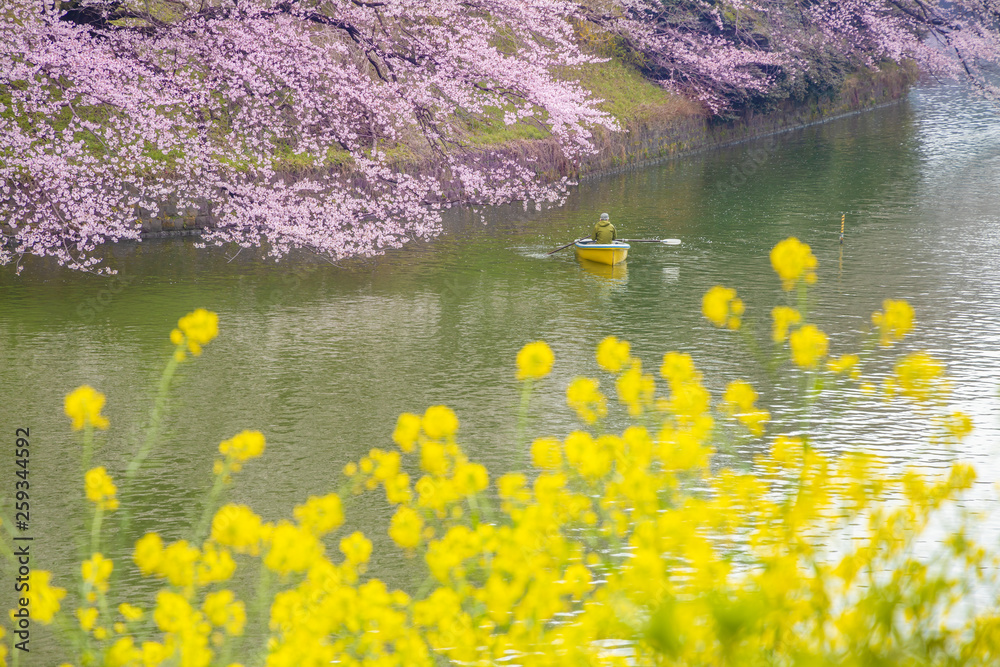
(733, 53)
(343, 126)
(112, 108)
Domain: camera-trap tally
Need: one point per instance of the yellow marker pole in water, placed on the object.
(840, 264)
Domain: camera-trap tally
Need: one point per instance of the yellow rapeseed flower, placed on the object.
(920, 377)
(406, 527)
(178, 563)
(755, 420)
(546, 453)
(678, 368)
(397, 489)
(154, 653)
(584, 396)
(243, 446)
(788, 450)
(809, 345)
(958, 425)
(100, 489)
(894, 321)
(470, 478)
(577, 581)
(534, 360)
(223, 610)
(635, 388)
(214, 565)
(43, 597)
(130, 612)
(739, 396)
(739, 400)
(591, 458)
(87, 618)
(96, 571)
(197, 328)
(784, 317)
(356, 548)
(123, 653)
(83, 405)
(320, 515)
(407, 431)
(173, 612)
(843, 363)
(292, 549)
(236, 526)
(793, 261)
(613, 354)
(439, 422)
(721, 307)
(148, 554)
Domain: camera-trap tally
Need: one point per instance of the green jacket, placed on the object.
(604, 232)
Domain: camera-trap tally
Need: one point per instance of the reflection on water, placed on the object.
(617, 273)
(323, 359)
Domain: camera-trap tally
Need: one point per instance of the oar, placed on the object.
(561, 247)
(663, 241)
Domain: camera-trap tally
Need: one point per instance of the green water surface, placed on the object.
(322, 359)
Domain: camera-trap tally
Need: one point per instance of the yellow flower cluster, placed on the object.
(635, 388)
(846, 363)
(894, 321)
(534, 361)
(784, 317)
(920, 377)
(44, 598)
(793, 261)
(100, 489)
(234, 526)
(809, 346)
(633, 538)
(739, 400)
(585, 397)
(722, 307)
(320, 515)
(195, 330)
(242, 447)
(613, 354)
(96, 571)
(83, 405)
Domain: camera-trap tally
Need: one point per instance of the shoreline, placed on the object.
(643, 143)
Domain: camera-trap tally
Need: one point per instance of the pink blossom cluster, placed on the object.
(107, 112)
(726, 52)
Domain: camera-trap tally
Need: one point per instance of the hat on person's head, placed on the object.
(604, 216)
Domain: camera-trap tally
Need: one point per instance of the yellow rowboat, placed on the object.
(602, 253)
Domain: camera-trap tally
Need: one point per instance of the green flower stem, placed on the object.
(201, 532)
(152, 436)
(522, 415)
(88, 445)
(802, 299)
(95, 529)
(750, 340)
(479, 512)
(153, 431)
(260, 606)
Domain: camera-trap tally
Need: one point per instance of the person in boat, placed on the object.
(604, 231)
